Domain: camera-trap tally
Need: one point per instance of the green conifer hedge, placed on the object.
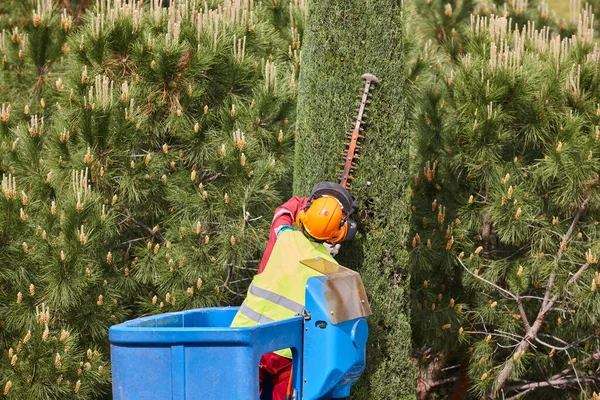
(343, 40)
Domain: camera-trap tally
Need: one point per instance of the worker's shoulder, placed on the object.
(292, 235)
(287, 231)
(294, 204)
(282, 228)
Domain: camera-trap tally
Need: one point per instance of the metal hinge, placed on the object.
(306, 315)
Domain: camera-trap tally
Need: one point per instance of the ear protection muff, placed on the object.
(346, 233)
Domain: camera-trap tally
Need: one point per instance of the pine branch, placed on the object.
(556, 377)
(502, 290)
(575, 371)
(444, 381)
(423, 387)
(523, 314)
(240, 280)
(519, 395)
(559, 255)
(496, 333)
(547, 304)
(236, 294)
(516, 298)
(580, 271)
(532, 297)
(554, 383)
(569, 345)
(229, 275)
(154, 234)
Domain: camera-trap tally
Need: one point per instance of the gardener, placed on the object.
(277, 292)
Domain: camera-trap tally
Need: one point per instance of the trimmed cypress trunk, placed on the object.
(343, 40)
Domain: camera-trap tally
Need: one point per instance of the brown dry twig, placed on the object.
(154, 234)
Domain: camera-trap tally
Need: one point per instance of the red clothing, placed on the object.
(285, 214)
(274, 376)
(274, 370)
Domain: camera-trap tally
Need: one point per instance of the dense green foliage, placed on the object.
(505, 201)
(141, 154)
(143, 147)
(343, 40)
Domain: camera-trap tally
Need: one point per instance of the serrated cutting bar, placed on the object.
(350, 154)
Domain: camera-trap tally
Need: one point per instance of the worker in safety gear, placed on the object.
(302, 228)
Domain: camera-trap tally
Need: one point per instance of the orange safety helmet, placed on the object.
(326, 215)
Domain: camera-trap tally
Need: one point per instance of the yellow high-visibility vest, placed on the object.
(279, 292)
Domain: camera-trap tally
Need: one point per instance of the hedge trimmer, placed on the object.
(350, 155)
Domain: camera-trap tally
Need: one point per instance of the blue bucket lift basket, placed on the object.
(196, 355)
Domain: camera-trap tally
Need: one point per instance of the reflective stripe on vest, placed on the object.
(253, 315)
(279, 292)
(283, 301)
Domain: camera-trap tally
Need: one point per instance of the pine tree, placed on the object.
(345, 39)
(505, 204)
(142, 153)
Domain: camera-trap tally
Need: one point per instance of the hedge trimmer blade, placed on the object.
(350, 155)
